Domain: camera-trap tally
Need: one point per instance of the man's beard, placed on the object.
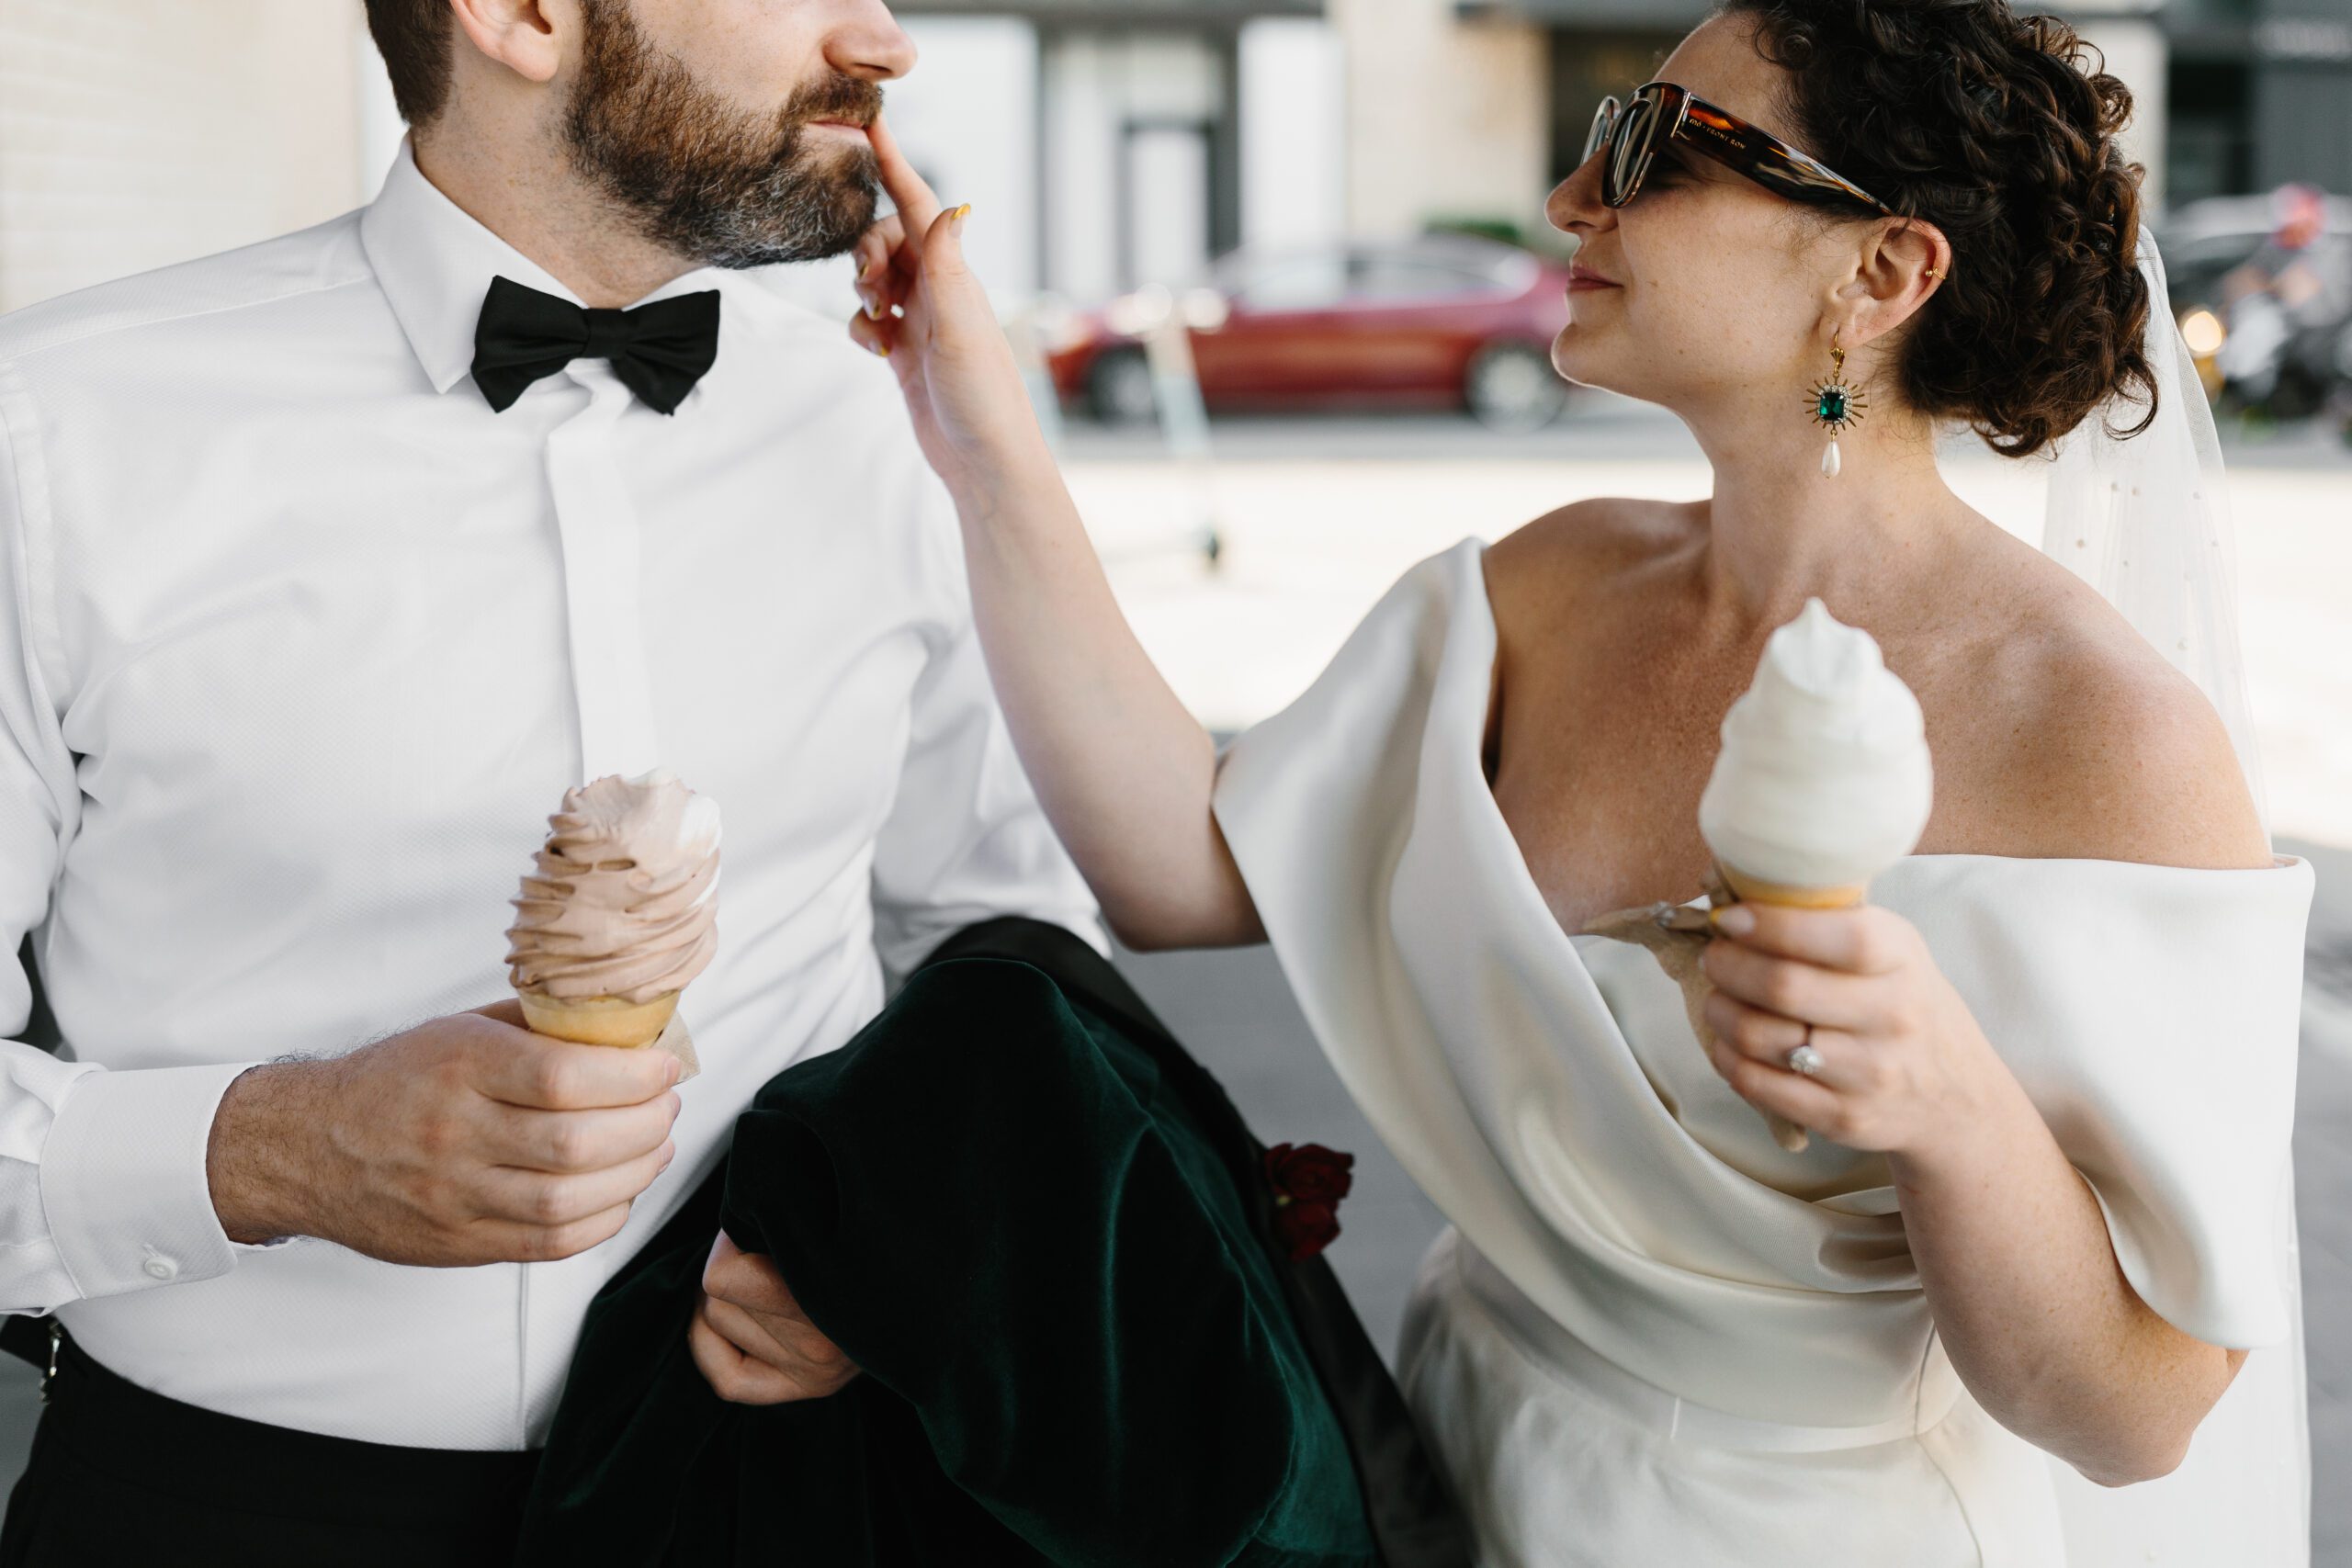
(702, 178)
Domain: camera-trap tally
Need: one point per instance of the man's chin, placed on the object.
(830, 224)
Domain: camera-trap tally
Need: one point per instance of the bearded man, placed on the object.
(330, 563)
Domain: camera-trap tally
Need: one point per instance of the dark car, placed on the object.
(1447, 321)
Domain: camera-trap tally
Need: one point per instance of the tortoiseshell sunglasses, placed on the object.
(1658, 111)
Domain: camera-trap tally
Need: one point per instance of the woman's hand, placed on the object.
(1903, 1062)
(927, 314)
(750, 1339)
(2011, 1246)
(1124, 771)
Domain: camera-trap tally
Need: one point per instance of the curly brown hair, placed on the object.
(1996, 129)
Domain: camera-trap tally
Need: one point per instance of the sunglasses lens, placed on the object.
(1603, 120)
(1629, 152)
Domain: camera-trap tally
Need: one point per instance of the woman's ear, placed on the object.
(1902, 263)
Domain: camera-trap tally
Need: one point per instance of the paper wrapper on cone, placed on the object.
(615, 1021)
(1676, 936)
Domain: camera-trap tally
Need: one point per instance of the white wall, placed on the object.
(966, 115)
(380, 126)
(137, 133)
(1293, 133)
(1445, 117)
(2136, 52)
(1095, 84)
(1081, 169)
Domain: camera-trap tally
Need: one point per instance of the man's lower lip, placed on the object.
(1585, 285)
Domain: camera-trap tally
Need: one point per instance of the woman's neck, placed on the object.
(1781, 532)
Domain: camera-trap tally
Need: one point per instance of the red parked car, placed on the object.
(1447, 320)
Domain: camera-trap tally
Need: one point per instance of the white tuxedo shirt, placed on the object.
(300, 644)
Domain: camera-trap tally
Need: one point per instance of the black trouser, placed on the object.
(120, 1476)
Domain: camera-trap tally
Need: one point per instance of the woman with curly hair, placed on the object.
(2044, 1220)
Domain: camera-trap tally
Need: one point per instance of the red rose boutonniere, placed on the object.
(1308, 1181)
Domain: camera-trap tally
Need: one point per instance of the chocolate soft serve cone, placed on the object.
(618, 913)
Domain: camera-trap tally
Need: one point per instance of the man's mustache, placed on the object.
(851, 100)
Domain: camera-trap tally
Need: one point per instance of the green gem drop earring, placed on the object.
(1837, 405)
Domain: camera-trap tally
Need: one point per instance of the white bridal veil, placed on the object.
(2145, 520)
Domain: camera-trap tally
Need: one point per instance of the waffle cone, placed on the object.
(599, 1020)
(1759, 891)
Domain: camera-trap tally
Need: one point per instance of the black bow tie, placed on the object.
(659, 350)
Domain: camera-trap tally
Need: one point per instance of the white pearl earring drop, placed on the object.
(1834, 404)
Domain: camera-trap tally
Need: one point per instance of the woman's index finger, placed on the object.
(1854, 939)
(918, 204)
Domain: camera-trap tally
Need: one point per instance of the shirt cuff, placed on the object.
(123, 1180)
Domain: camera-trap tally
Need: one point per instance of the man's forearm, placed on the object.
(248, 1160)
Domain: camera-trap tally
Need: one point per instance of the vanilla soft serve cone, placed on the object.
(1823, 782)
(618, 913)
(1823, 779)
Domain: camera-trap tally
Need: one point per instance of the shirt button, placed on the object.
(161, 1266)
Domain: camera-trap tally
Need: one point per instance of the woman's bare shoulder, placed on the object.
(1534, 569)
(2120, 756)
(1600, 527)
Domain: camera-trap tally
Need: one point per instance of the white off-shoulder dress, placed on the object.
(1653, 1338)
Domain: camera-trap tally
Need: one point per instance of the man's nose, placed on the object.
(869, 44)
(1574, 206)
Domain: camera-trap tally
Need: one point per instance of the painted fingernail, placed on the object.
(1732, 919)
(958, 217)
(873, 309)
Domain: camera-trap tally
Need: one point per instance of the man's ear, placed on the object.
(527, 37)
(1902, 262)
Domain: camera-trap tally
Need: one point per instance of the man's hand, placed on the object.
(466, 1139)
(751, 1339)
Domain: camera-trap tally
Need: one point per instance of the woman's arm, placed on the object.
(2034, 1310)
(1123, 771)
(2011, 1247)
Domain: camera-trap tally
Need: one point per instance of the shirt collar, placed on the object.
(435, 261)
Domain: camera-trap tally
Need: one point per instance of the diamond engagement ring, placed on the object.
(1805, 1059)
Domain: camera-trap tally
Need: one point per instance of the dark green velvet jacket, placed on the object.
(1040, 1230)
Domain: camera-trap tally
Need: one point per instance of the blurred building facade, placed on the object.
(1105, 144)
(1168, 129)
(1126, 140)
(2261, 95)
(1157, 133)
